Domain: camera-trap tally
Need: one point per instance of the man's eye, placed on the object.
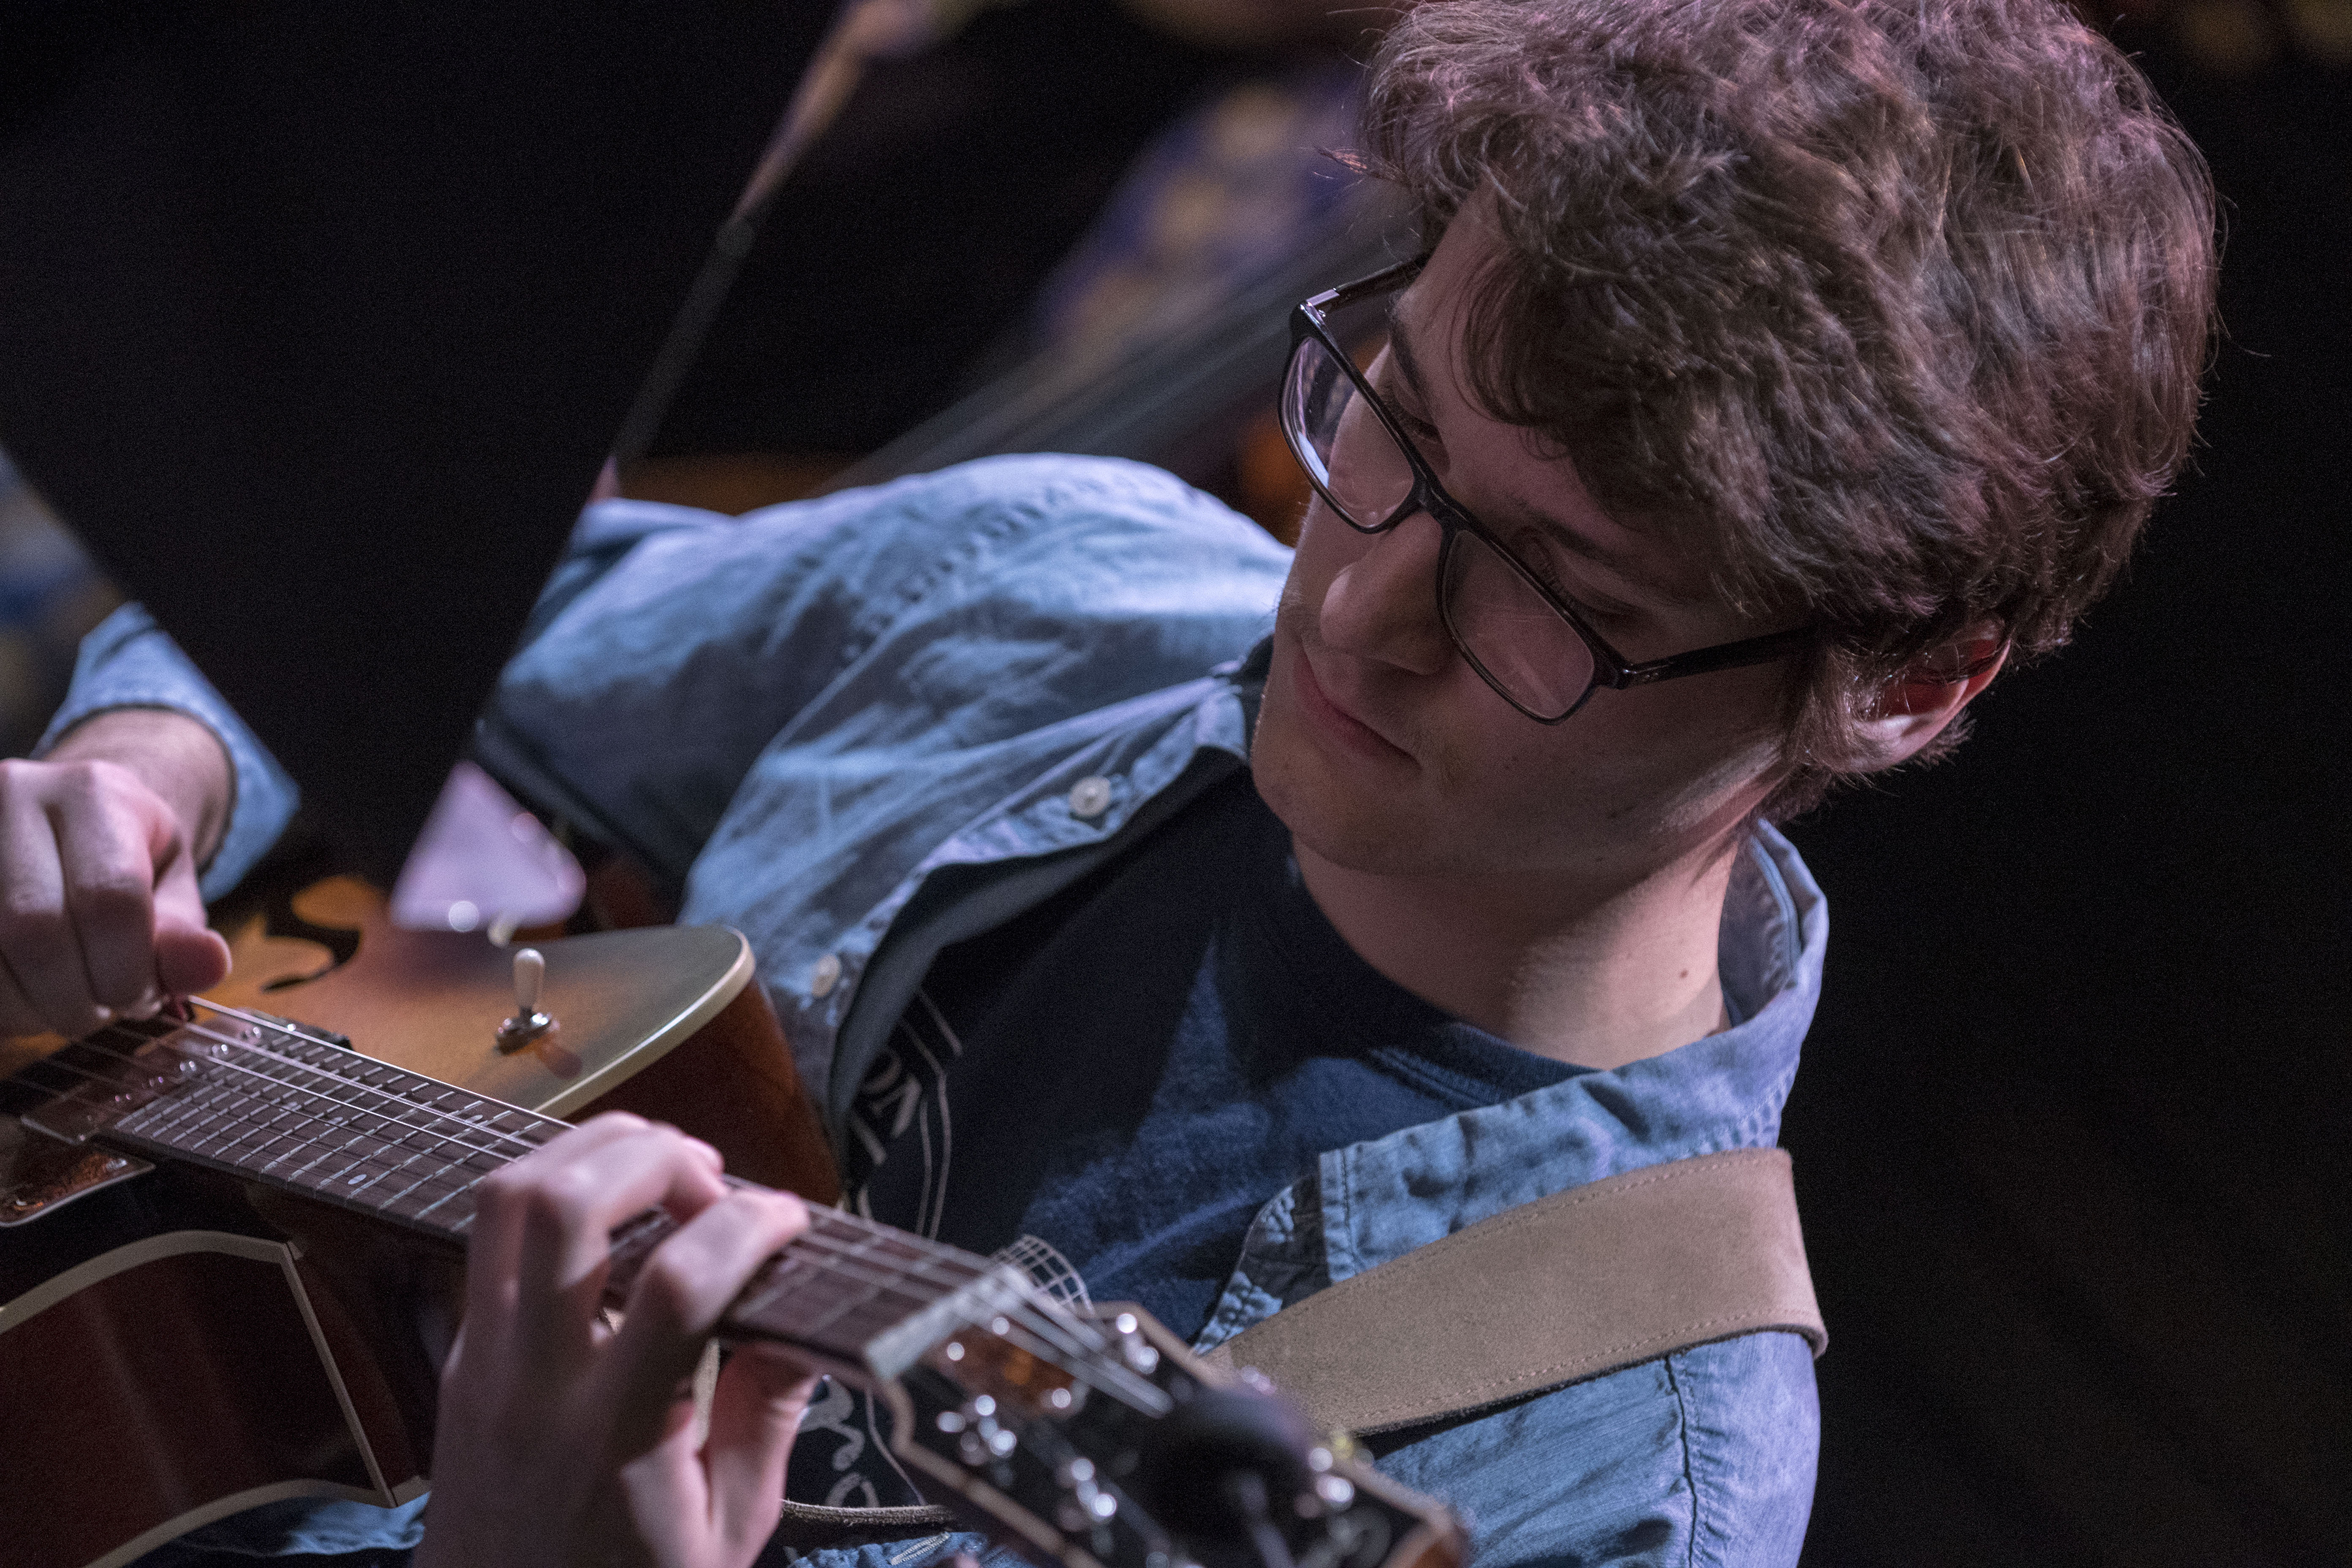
(1397, 396)
(1536, 555)
(1417, 430)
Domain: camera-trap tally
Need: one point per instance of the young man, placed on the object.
(1778, 370)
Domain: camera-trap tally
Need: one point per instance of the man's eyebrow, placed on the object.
(1400, 339)
(1573, 540)
(1621, 563)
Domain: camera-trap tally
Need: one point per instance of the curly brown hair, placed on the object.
(1896, 312)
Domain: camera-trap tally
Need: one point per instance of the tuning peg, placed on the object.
(1133, 1347)
(1088, 1504)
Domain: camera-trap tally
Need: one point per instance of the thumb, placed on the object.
(754, 1417)
(189, 955)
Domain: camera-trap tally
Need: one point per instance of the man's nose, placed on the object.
(1383, 605)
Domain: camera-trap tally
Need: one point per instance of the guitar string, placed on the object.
(926, 1264)
(402, 1102)
(823, 1260)
(923, 1259)
(204, 1058)
(827, 1268)
(1026, 1330)
(405, 1103)
(291, 1177)
(890, 1233)
(1078, 1343)
(832, 1257)
(487, 1126)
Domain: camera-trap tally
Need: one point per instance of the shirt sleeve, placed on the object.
(129, 661)
(947, 609)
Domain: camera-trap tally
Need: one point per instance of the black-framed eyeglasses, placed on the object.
(1531, 645)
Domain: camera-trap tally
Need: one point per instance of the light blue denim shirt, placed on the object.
(852, 728)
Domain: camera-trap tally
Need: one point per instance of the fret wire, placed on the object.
(407, 1104)
(441, 1088)
(300, 1088)
(534, 1123)
(1021, 1323)
(827, 1261)
(1044, 1325)
(924, 1259)
(176, 1095)
(831, 1263)
(826, 1270)
(831, 1256)
(250, 1141)
(928, 1258)
(235, 1132)
(1047, 1336)
(404, 1101)
(833, 1260)
(205, 1108)
(379, 1157)
(819, 1287)
(842, 1265)
(226, 1100)
(315, 1120)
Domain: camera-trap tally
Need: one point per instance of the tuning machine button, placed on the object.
(980, 1438)
(1133, 1348)
(1087, 1505)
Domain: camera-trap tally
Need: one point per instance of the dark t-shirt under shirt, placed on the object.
(1115, 1082)
(1131, 1070)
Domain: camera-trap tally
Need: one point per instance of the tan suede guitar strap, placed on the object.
(1584, 1282)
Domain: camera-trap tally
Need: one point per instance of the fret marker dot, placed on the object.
(955, 1350)
(464, 916)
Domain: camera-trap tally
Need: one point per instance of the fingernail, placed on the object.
(105, 1015)
(718, 1160)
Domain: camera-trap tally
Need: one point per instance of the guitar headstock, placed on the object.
(1100, 1441)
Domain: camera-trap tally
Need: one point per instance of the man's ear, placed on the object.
(1916, 705)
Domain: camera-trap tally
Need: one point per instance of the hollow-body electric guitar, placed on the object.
(230, 1246)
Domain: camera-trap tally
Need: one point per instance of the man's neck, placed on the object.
(1596, 977)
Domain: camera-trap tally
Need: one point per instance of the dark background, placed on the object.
(2074, 1137)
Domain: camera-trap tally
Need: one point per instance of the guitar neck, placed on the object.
(303, 1114)
(1093, 1441)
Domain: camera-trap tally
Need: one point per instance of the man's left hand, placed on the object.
(562, 1442)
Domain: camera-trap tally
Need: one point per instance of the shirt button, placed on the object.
(824, 976)
(1090, 797)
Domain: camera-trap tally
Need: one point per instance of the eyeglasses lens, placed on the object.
(1346, 449)
(1516, 639)
(1522, 646)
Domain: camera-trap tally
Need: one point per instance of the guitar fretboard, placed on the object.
(294, 1111)
(306, 1114)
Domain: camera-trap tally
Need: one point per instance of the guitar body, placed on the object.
(177, 1345)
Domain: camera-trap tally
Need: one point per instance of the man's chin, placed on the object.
(1345, 818)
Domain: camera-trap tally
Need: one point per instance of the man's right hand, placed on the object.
(100, 913)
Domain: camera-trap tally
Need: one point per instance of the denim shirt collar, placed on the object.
(1371, 1202)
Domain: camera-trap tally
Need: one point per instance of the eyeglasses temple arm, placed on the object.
(1726, 656)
